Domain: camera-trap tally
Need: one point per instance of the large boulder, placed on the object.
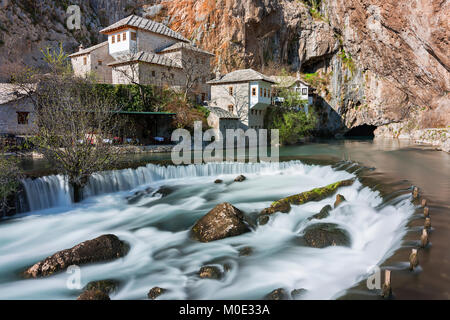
(321, 235)
(317, 194)
(103, 248)
(240, 178)
(222, 221)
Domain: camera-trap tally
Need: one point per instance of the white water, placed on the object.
(162, 253)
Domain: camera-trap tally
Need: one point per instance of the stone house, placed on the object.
(220, 120)
(17, 114)
(295, 84)
(244, 93)
(143, 51)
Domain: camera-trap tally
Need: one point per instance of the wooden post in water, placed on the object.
(415, 193)
(386, 290)
(426, 212)
(424, 238)
(413, 260)
(424, 202)
(427, 223)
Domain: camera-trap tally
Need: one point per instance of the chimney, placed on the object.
(218, 75)
(81, 47)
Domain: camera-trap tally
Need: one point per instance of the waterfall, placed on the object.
(53, 191)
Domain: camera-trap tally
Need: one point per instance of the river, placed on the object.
(383, 224)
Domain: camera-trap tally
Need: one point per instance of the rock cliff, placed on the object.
(383, 63)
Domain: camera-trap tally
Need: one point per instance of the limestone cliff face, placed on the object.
(377, 62)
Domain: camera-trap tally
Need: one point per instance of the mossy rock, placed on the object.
(316, 194)
(263, 219)
(321, 235)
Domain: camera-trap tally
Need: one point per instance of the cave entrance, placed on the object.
(365, 131)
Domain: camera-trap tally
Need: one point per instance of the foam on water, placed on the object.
(162, 254)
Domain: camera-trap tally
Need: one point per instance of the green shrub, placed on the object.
(292, 125)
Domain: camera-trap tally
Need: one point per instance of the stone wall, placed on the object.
(9, 117)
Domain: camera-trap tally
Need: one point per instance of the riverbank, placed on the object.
(436, 137)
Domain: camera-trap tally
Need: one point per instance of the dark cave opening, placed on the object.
(365, 130)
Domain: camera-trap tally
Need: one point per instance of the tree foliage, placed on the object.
(10, 174)
(292, 124)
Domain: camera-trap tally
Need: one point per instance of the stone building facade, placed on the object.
(244, 93)
(17, 114)
(143, 51)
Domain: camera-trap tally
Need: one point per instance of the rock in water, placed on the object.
(98, 290)
(218, 181)
(301, 198)
(324, 213)
(210, 272)
(93, 295)
(246, 251)
(222, 221)
(240, 178)
(107, 286)
(277, 294)
(263, 219)
(297, 293)
(103, 248)
(156, 292)
(323, 235)
(339, 199)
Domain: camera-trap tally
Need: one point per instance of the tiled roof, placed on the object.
(244, 75)
(144, 24)
(147, 57)
(187, 46)
(88, 50)
(287, 81)
(222, 113)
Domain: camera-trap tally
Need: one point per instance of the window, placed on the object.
(100, 62)
(304, 91)
(261, 91)
(230, 90)
(253, 92)
(265, 93)
(172, 75)
(22, 117)
(113, 39)
(84, 60)
(153, 73)
(118, 37)
(124, 36)
(230, 108)
(133, 36)
(203, 96)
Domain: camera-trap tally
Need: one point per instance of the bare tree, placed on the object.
(75, 122)
(238, 99)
